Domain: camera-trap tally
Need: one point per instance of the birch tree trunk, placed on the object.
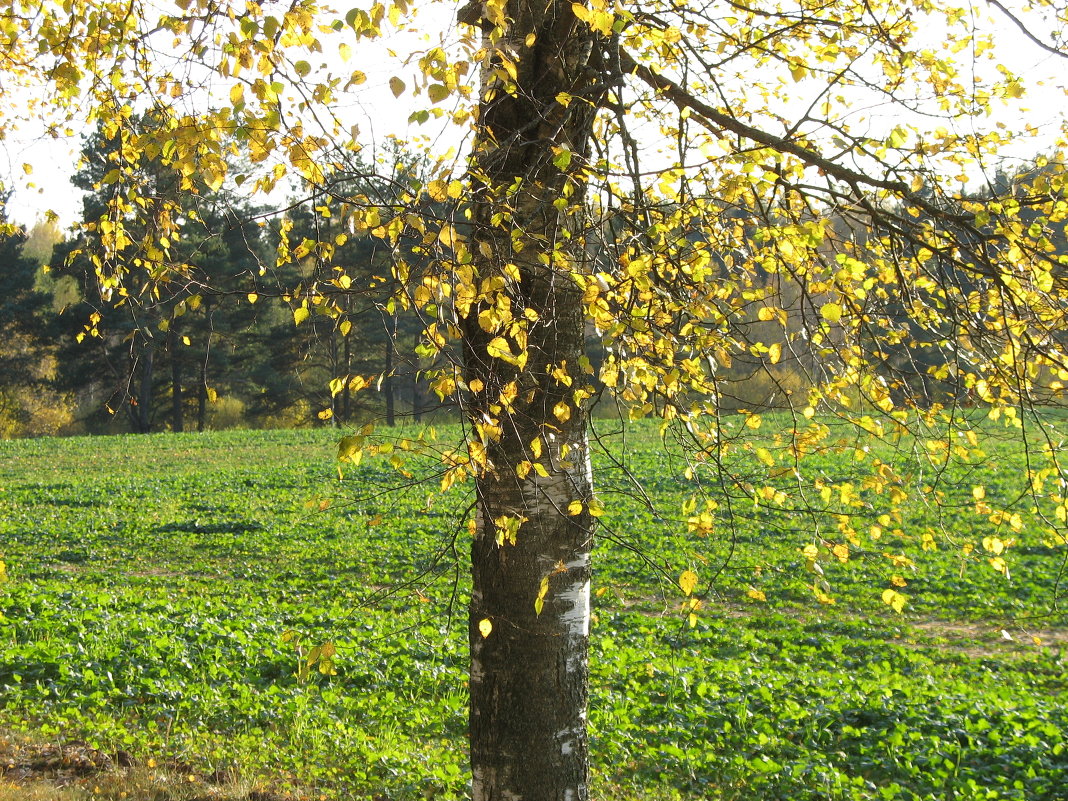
(530, 605)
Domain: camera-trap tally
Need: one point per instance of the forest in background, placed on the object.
(225, 343)
(226, 346)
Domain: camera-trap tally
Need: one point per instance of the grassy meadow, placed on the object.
(161, 591)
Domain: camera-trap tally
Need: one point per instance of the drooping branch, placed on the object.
(1019, 23)
(717, 122)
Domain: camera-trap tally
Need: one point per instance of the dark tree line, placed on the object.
(226, 345)
(221, 345)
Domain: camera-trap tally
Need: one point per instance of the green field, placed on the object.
(151, 580)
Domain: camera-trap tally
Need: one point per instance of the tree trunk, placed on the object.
(173, 342)
(530, 602)
(387, 383)
(202, 379)
(417, 398)
(202, 387)
(346, 393)
(143, 410)
(529, 675)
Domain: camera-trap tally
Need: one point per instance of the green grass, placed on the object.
(151, 580)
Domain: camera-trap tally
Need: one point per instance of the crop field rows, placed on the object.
(163, 591)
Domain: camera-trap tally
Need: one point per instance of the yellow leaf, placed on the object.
(774, 353)
(396, 85)
(688, 581)
(300, 314)
(512, 272)
(237, 93)
(574, 508)
(894, 599)
(756, 595)
(1015, 90)
(562, 412)
(831, 312)
(485, 627)
(978, 493)
(994, 544)
(448, 237)
(822, 596)
(609, 374)
(437, 190)
(348, 447)
(477, 452)
(213, 179)
(498, 349)
(325, 414)
(810, 552)
(252, 297)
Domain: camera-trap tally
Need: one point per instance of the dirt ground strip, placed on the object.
(40, 771)
(985, 639)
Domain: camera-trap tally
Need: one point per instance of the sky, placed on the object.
(372, 106)
(379, 114)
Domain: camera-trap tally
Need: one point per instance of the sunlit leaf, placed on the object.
(688, 581)
(894, 599)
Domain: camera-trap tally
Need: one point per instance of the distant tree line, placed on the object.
(227, 345)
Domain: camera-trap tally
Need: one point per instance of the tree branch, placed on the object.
(1025, 31)
(716, 122)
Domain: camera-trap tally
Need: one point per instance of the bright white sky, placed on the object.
(372, 106)
(379, 114)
